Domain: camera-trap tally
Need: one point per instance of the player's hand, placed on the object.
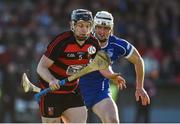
(54, 85)
(142, 94)
(119, 81)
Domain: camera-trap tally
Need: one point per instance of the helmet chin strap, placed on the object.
(78, 38)
(81, 38)
(103, 41)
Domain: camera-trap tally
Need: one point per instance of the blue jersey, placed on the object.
(95, 82)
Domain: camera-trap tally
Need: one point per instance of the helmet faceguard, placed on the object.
(104, 18)
(81, 15)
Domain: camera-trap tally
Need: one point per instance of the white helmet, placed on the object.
(104, 18)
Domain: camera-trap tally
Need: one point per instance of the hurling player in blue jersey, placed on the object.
(95, 87)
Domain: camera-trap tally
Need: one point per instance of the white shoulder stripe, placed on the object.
(128, 46)
(130, 53)
(121, 47)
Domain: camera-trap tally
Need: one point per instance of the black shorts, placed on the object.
(53, 105)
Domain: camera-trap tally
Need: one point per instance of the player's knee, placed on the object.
(77, 120)
(50, 120)
(111, 119)
(80, 119)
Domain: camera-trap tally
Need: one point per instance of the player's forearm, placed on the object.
(139, 68)
(43, 71)
(138, 63)
(45, 74)
(108, 73)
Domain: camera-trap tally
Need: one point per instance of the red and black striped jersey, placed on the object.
(69, 56)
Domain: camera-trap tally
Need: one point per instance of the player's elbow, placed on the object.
(140, 60)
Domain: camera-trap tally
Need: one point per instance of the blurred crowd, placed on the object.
(27, 26)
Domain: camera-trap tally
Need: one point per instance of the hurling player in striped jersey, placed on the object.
(66, 54)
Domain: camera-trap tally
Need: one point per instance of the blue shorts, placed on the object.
(91, 99)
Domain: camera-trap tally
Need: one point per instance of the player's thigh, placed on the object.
(106, 108)
(50, 120)
(75, 115)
